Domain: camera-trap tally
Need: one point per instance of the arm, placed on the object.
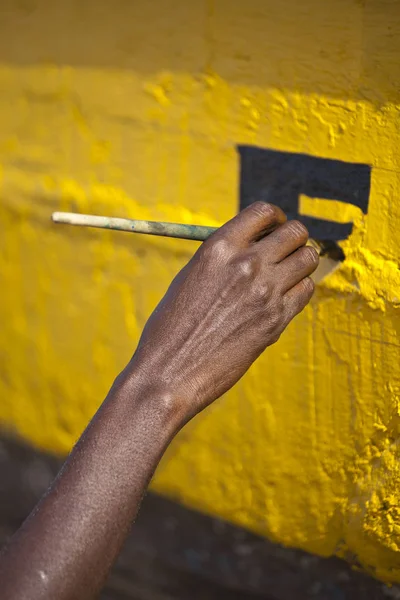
(231, 301)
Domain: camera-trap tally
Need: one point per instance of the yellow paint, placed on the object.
(135, 109)
(332, 210)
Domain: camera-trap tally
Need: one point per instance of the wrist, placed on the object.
(138, 392)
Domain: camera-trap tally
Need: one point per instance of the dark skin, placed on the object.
(232, 300)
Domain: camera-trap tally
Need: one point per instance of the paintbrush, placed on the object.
(330, 251)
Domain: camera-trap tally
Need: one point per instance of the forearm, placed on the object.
(68, 544)
(232, 300)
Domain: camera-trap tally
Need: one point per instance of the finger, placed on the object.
(252, 223)
(297, 298)
(297, 266)
(284, 240)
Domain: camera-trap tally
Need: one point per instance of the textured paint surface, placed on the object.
(135, 109)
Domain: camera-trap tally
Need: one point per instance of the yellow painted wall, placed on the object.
(135, 108)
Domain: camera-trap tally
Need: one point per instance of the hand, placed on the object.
(232, 300)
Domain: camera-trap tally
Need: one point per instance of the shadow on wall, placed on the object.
(290, 45)
(179, 553)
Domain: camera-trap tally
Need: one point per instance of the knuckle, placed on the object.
(261, 207)
(265, 289)
(304, 294)
(275, 315)
(218, 249)
(298, 230)
(309, 256)
(264, 209)
(308, 287)
(248, 266)
(275, 325)
(258, 294)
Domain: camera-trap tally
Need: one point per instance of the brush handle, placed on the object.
(181, 231)
(175, 230)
